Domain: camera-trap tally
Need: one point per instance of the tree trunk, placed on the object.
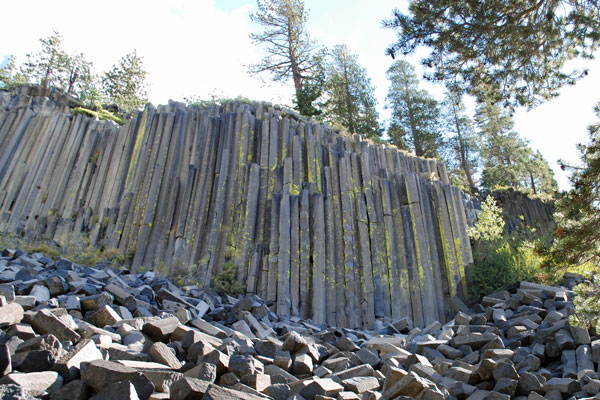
(351, 126)
(464, 164)
(419, 151)
(532, 183)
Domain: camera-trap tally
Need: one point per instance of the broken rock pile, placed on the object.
(73, 332)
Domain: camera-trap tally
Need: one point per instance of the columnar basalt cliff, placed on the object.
(325, 226)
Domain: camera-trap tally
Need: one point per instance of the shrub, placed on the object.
(587, 305)
(502, 264)
(489, 225)
(226, 282)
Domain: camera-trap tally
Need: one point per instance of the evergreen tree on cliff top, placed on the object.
(415, 114)
(125, 84)
(46, 66)
(517, 48)
(351, 98)
(290, 53)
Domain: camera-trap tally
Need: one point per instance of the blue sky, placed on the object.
(201, 47)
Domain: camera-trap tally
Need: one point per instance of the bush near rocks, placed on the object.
(105, 333)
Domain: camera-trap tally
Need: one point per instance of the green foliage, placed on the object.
(578, 210)
(350, 95)
(502, 264)
(125, 84)
(516, 50)
(9, 75)
(415, 114)
(462, 143)
(290, 53)
(226, 282)
(489, 225)
(46, 66)
(78, 250)
(53, 66)
(215, 101)
(101, 114)
(507, 159)
(587, 305)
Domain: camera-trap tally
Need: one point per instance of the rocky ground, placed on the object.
(72, 332)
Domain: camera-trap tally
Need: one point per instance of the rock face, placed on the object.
(520, 346)
(327, 226)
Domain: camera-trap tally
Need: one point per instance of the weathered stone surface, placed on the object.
(410, 385)
(566, 386)
(35, 383)
(10, 314)
(69, 364)
(220, 393)
(302, 365)
(203, 371)
(361, 384)
(188, 388)
(15, 392)
(117, 390)
(46, 322)
(320, 387)
(106, 315)
(473, 340)
(99, 373)
(161, 329)
(293, 342)
(161, 353)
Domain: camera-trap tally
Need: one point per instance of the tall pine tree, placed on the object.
(290, 53)
(462, 143)
(350, 95)
(415, 114)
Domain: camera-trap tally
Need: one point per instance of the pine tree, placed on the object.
(576, 239)
(350, 95)
(415, 114)
(290, 53)
(462, 143)
(125, 84)
(9, 74)
(77, 78)
(507, 159)
(516, 50)
(46, 66)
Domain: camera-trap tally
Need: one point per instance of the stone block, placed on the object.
(361, 384)
(221, 393)
(161, 329)
(10, 314)
(35, 383)
(302, 365)
(566, 386)
(188, 389)
(68, 365)
(122, 390)
(105, 316)
(45, 322)
(293, 342)
(161, 353)
(203, 371)
(99, 373)
(320, 387)
(410, 385)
